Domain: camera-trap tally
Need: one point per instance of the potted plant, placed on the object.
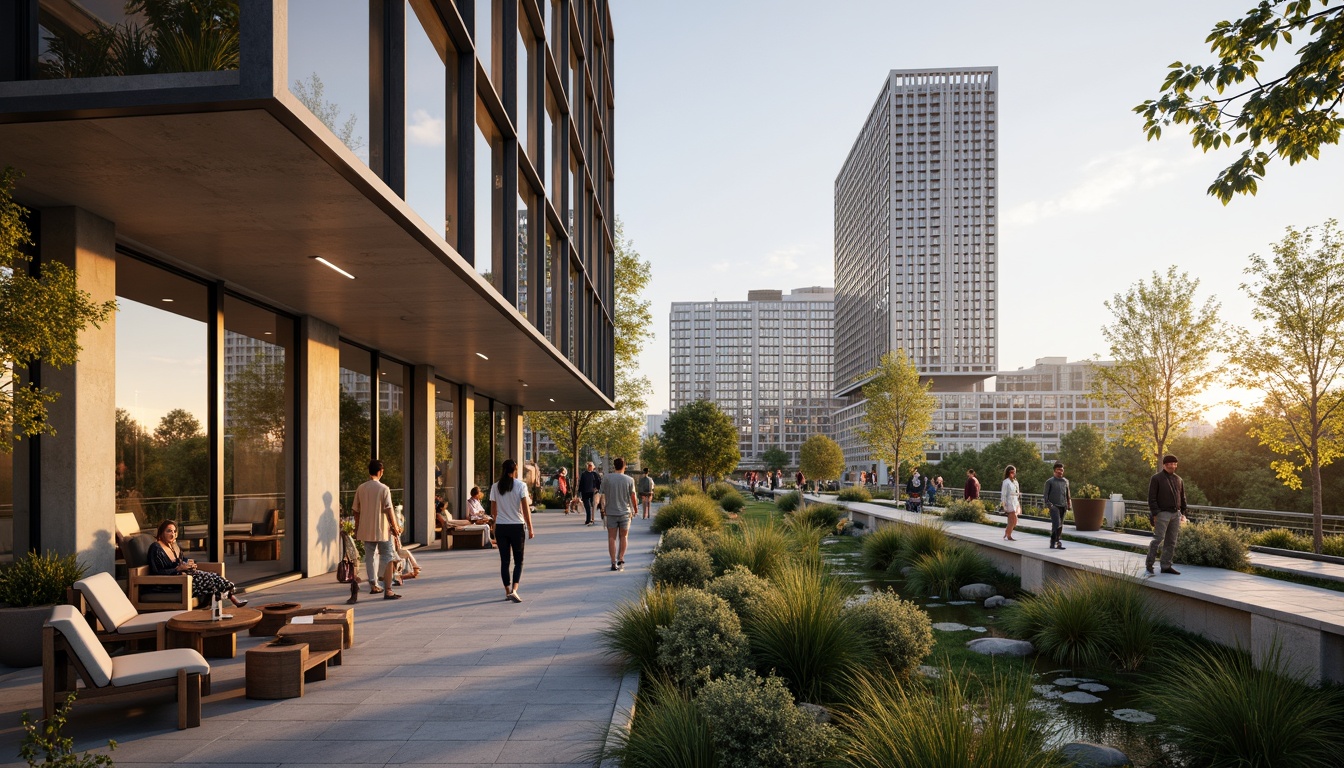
(1089, 509)
(29, 587)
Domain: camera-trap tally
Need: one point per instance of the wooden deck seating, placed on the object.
(119, 619)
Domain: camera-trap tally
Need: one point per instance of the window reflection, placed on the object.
(445, 417)
(356, 446)
(392, 380)
(481, 435)
(329, 66)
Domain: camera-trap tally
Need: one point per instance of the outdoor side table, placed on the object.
(276, 671)
(319, 637)
(339, 615)
(212, 639)
(273, 617)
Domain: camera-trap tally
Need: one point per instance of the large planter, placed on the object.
(21, 640)
(1088, 514)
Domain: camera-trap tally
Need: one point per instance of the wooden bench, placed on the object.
(256, 546)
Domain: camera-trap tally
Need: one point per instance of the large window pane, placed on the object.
(162, 448)
(501, 437)
(329, 66)
(487, 21)
(97, 38)
(524, 257)
(481, 435)
(525, 86)
(356, 446)
(258, 397)
(445, 419)
(392, 380)
(489, 190)
(426, 118)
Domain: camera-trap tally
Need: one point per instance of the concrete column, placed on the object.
(77, 472)
(420, 449)
(466, 451)
(319, 455)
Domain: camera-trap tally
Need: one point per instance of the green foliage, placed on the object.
(960, 723)
(899, 412)
(40, 321)
(948, 570)
(883, 546)
(820, 458)
(854, 493)
(824, 517)
(631, 633)
(1289, 115)
(688, 511)
(1137, 523)
(651, 455)
(1333, 546)
(1233, 714)
(899, 631)
(685, 488)
(755, 725)
(704, 640)
(1086, 491)
(1090, 620)
(762, 549)
(1017, 451)
(662, 492)
(681, 568)
(740, 588)
(775, 457)
(177, 36)
(732, 502)
(1163, 347)
(717, 490)
(682, 538)
(802, 632)
(1083, 452)
(668, 732)
(700, 439)
(921, 540)
(963, 511)
(1282, 538)
(1127, 472)
(47, 739)
(788, 502)
(39, 579)
(1213, 543)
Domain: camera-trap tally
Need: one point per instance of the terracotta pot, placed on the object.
(1088, 514)
(21, 642)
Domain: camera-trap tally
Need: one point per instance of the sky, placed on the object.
(733, 118)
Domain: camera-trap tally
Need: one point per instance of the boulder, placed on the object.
(950, 626)
(907, 570)
(994, 601)
(976, 591)
(818, 713)
(1085, 754)
(1001, 646)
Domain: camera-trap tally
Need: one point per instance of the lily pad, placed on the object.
(1134, 716)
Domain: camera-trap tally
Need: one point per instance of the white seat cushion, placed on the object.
(108, 601)
(146, 622)
(77, 632)
(156, 665)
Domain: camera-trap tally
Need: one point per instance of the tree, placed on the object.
(1019, 452)
(651, 455)
(1163, 348)
(900, 411)
(699, 439)
(40, 321)
(1297, 357)
(1292, 114)
(175, 426)
(1083, 452)
(310, 93)
(820, 458)
(1127, 471)
(775, 457)
(355, 443)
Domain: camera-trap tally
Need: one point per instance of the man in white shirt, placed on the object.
(618, 495)
(376, 526)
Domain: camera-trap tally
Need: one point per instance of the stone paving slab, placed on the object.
(451, 674)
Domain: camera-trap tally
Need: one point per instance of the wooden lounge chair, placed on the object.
(136, 549)
(71, 653)
(119, 619)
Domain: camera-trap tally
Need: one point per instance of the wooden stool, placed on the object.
(273, 617)
(341, 616)
(319, 637)
(276, 671)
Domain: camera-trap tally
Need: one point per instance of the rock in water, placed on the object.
(1085, 754)
(1001, 646)
(950, 626)
(976, 591)
(994, 601)
(1080, 697)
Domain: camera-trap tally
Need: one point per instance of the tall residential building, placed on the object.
(765, 361)
(916, 264)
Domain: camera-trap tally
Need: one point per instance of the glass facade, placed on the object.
(98, 38)
(356, 420)
(427, 118)
(392, 381)
(329, 66)
(445, 422)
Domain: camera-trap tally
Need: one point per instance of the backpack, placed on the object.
(645, 485)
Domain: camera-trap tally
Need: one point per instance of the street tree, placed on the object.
(1083, 453)
(900, 411)
(820, 458)
(1289, 114)
(775, 457)
(1297, 356)
(699, 439)
(1163, 347)
(40, 320)
(652, 456)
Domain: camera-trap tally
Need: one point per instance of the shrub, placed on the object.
(762, 548)
(668, 731)
(1213, 543)
(632, 632)
(717, 490)
(1333, 545)
(881, 547)
(788, 502)
(803, 632)
(946, 571)
(899, 631)
(959, 722)
(824, 517)
(920, 540)
(963, 511)
(47, 738)
(1087, 491)
(685, 488)
(1137, 523)
(662, 492)
(855, 493)
(688, 511)
(755, 724)
(1089, 619)
(740, 588)
(1232, 714)
(36, 579)
(682, 568)
(732, 502)
(703, 642)
(1282, 538)
(549, 498)
(682, 538)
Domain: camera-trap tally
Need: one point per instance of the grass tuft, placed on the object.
(631, 633)
(948, 570)
(883, 545)
(688, 511)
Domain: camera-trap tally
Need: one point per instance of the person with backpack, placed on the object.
(644, 487)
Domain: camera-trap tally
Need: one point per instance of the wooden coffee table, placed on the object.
(212, 639)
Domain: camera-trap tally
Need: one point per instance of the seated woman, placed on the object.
(410, 567)
(476, 513)
(165, 559)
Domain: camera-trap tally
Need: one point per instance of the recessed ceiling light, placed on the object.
(524, 383)
(483, 357)
(267, 333)
(166, 301)
(552, 399)
(333, 266)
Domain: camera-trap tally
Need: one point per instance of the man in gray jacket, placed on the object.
(1058, 499)
(1166, 510)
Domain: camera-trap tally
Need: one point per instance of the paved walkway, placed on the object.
(452, 674)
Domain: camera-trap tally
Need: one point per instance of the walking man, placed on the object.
(1058, 498)
(1166, 510)
(589, 482)
(618, 494)
(645, 487)
(376, 526)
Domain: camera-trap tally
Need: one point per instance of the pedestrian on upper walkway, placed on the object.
(1057, 498)
(972, 490)
(1010, 498)
(1166, 510)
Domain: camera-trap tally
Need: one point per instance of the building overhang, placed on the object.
(248, 191)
